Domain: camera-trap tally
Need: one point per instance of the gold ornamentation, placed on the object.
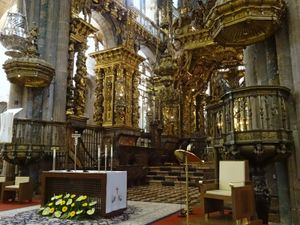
(80, 82)
(241, 23)
(70, 88)
(30, 72)
(99, 110)
(121, 14)
(80, 30)
(135, 99)
(76, 95)
(254, 120)
(120, 92)
(84, 6)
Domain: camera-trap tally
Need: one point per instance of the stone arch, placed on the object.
(107, 28)
(149, 53)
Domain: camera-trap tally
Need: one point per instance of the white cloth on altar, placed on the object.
(116, 190)
(6, 125)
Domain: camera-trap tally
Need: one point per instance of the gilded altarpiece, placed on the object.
(189, 116)
(117, 101)
(76, 89)
(200, 117)
(169, 105)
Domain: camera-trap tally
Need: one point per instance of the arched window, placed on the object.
(147, 7)
(175, 3)
(146, 94)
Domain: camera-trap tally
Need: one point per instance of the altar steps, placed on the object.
(163, 194)
(174, 175)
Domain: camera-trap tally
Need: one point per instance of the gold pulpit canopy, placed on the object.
(244, 22)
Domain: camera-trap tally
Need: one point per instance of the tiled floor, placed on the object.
(165, 194)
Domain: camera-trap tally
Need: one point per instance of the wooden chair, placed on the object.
(21, 189)
(2, 183)
(234, 188)
(255, 222)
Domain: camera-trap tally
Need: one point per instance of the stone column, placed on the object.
(250, 62)
(294, 161)
(61, 61)
(52, 19)
(255, 62)
(286, 79)
(15, 99)
(283, 193)
(262, 69)
(271, 62)
(283, 57)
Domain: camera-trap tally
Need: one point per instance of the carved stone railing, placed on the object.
(252, 122)
(154, 31)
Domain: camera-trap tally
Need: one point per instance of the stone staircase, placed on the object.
(171, 175)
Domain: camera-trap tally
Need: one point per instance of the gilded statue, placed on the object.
(32, 44)
(198, 15)
(87, 10)
(84, 6)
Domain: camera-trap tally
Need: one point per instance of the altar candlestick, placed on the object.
(99, 157)
(105, 158)
(111, 157)
(76, 136)
(154, 110)
(54, 159)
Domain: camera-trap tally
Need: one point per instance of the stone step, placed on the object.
(179, 170)
(180, 174)
(172, 178)
(180, 167)
(172, 183)
(171, 175)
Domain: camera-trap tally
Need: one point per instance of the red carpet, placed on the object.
(175, 219)
(16, 205)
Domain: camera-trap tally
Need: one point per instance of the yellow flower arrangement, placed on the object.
(69, 206)
(71, 214)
